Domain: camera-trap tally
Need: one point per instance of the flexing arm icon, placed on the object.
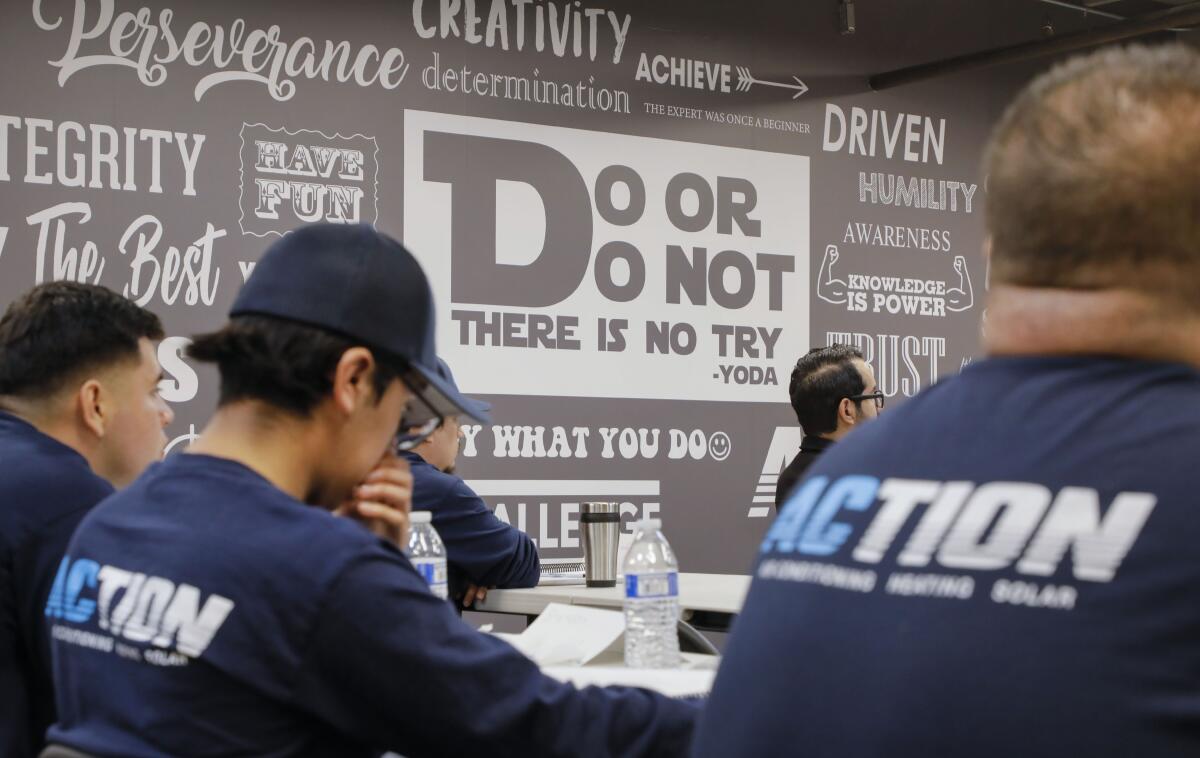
(962, 297)
(829, 289)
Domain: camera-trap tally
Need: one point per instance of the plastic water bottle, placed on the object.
(427, 553)
(651, 600)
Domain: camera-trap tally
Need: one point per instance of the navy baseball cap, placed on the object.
(356, 281)
(473, 407)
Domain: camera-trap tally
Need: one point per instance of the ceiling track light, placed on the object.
(846, 16)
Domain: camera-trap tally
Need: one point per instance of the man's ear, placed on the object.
(846, 413)
(353, 377)
(94, 406)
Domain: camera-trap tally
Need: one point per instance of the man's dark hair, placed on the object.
(284, 363)
(821, 378)
(1092, 175)
(61, 330)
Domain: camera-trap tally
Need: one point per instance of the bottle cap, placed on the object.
(420, 517)
(650, 523)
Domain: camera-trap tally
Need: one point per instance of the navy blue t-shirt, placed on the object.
(1006, 565)
(45, 489)
(480, 548)
(206, 612)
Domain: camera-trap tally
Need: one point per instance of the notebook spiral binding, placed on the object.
(561, 571)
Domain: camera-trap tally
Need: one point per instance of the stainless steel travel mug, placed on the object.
(600, 527)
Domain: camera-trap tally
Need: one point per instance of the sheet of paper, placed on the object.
(670, 682)
(569, 635)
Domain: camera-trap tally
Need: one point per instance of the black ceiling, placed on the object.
(1122, 8)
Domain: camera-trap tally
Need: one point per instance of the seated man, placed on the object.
(481, 550)
(1006, 565)
(832, 391)
(80, 413)
(217, 606)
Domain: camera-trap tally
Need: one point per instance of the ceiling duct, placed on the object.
(1178, 16)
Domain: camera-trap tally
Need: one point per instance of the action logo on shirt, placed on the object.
(952, 525)
(147, 610)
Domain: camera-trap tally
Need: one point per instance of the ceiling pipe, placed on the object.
(1086, 10)
(1183, 15)
(1090, 10)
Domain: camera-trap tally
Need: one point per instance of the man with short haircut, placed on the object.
(482, 552)
(833, 391)
(1006, 565)
(80, 413)
(223, 608)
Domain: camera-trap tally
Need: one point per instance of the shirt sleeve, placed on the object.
(35, 564)
(394, 666)
(14, 716)
(488, 551)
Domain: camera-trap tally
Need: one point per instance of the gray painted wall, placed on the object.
(550, 171)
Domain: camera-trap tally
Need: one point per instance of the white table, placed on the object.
(708, 601)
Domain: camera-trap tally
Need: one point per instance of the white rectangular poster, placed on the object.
(580, 263)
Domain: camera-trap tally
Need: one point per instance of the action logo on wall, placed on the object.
(586, 264)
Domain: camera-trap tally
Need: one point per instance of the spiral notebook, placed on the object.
(561, 571)
(571, 571)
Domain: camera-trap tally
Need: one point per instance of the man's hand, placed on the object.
(474, 593)
(383, 501)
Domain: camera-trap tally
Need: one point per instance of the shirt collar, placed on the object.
(814, 444)
(414, 458)
(10, 423)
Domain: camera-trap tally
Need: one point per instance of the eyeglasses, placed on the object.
(407, 439)
(876, 396)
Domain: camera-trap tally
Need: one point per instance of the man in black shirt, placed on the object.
(833, 390)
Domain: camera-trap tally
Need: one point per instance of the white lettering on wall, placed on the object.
(99, 156)
(907, 136)
(147, 43)
(564, 29)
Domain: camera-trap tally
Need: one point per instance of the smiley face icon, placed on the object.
(719, 446)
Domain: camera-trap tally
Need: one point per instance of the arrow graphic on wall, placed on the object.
(746, 80)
